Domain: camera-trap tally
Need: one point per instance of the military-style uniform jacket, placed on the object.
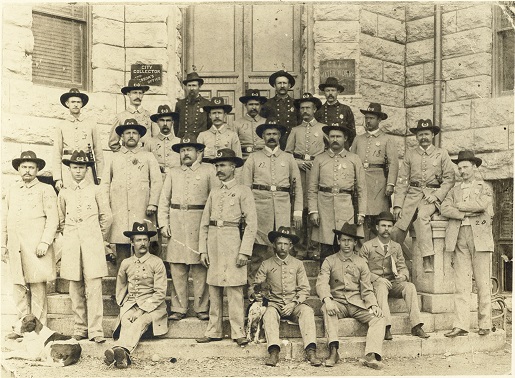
(477, 200)
(245, 129)
(336, 113)
(215, 139)
(341, 173)
(183, 187)
(275, 171)
(29, 217)
(192, 118)
(346, 280)
(133, 181)
(285, 114)
(422, 173)
(161, 147)
(375, 150)
(142, 281)
(220, 234)
(85, 220)
(142, 116)
(382, 264)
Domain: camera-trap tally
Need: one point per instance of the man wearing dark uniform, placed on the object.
(192, 118)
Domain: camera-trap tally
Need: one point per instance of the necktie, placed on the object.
(394, 268)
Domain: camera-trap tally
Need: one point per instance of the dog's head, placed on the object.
(262, 290)
(28, 323)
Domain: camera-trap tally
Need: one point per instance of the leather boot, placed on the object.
(333, 355)
(273, 357)
(312, 356)
(387, 333)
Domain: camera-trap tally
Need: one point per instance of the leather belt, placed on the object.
(271, 188)
(186, 207)
(367, 165)
(303, 157)
(206, 160)
(416, 184)
(334, 190)
(248, 149)
(67, 152)
(221, 223)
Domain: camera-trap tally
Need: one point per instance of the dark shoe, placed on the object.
(242, 341)
(370, 361)
(120, 358)
(387, 333)
(79, 337)
(109, 357)
(334, 357)
(207, 339)
(98, 339)
(483, 332)
(177, 316)
(456, 332)
(12, 336)
(311, 355)
(273, 357)
(418, 331)
(203, 315)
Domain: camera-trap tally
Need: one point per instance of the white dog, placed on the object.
(256, 311)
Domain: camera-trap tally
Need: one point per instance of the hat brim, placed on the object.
(272, 235)
(64, 97)
(265, 126)
(381, 115)
(339, 232)
(316, 101)
(142, 130)
(245, 99)
(349, 132)
(475, 160)
(390, 219)
(67, 162)
(226, 108)
(126, 90)
(200, 81)
(39, 162)
(174, 115)
(275, 75)
(235, 159)
(339, 87)
(434, 129)
(133, 233)
(177, 147)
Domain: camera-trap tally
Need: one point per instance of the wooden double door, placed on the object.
(236, 47)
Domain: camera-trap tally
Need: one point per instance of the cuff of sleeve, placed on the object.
(361, 215)
(297, 213)
(313, 212)
(391, 184)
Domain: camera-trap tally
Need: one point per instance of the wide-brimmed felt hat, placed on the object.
(336, 126)
(217, 103)
(331, 82)
(349, 230)
(252, 94)
(189, 140)
(139, 229)
(307, 97)
(28, 156)
(275, 75)
(131, 123)
(226, 154)
(134, 85)
(270, 123)
(374, 108)
(425, 124)
(78, 157)
(164, 111)
(385, 215)
(467, 155)
(74, 92)
(285, 232)
(193, 76)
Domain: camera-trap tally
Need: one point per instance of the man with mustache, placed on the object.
(271, 173)
(389, 275)
(378, 153)
(192, 117)
(133, 181)
(78, 132)
(135, 93)
(334, 111)
(245, 127)
(305, 142)
(183, 197)
(426, 175)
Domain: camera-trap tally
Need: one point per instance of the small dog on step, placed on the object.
(256, 311)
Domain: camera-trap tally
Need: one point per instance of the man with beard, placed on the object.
(272, 174)
(245, 127)
(389, 275)
(192, 117)
(378, 153)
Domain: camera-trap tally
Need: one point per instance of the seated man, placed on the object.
(344, 288)
(289, 289)
(389, 274)
(140, 292)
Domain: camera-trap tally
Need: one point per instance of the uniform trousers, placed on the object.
(260, 253)
(236, 315)
(87, 307)
(467, 261)
(31, 299)
(302, 314)
(369, 227)
(400, 289)
(376, 326)
(326, 250)
(130, 333)
(180, 293)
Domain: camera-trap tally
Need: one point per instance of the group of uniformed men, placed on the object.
(226, 204)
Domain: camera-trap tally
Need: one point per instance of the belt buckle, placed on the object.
(365, 165)
(249, 149)
(273, 188)
(307, 157)
(335, 190)
(219, 223)
(183, 207)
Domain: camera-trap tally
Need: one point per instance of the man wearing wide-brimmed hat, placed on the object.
(85, 221)
(183, 197)
(468, 205)
(343, 286)
(140, 293)
(133, 181)
(246, 127)
(426, 175)
(78, 132)
(135, 92)
(29, 224)
(192, 117)
(224, 248)
(378, 153)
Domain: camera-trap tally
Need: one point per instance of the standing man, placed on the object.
(305, 142)
(378, 153)
(29, 225)
(224, 250)
(334, 111)
(85, 220)
(273, 176)
(181, 203)
(280, 107)
(426, 176)
(336, 175)
(343, 286)
(389, 275)
(289, 290)
(246, 127)
(469, 235)
(192, 118)
(140, 293)
(135, 93)
(133, 181)
(78, 133)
